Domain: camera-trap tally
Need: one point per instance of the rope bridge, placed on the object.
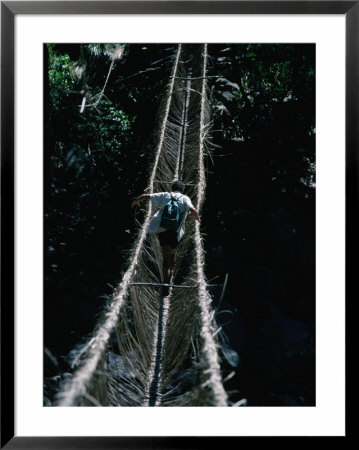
(166, 352)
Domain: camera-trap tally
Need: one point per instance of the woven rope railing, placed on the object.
(153, 392)
(184, 124)
(208, 329)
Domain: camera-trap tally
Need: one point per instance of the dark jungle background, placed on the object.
(258, 218)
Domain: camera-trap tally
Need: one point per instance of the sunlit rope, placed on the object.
(182, 140)
(153, 391)
(214, 380)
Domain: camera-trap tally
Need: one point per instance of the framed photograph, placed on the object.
(179, 186)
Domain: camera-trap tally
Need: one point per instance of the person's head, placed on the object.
(178, 186)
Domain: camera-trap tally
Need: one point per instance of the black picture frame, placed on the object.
(9, 9)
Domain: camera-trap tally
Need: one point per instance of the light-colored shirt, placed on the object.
(159, 201)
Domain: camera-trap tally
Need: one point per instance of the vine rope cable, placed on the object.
(182, 141)
(153, 392)
(214, 380)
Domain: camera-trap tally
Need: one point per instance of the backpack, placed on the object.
(171, 214)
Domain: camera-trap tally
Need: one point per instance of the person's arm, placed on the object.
(140, 199)
(194, 213)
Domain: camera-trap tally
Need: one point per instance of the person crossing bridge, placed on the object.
(169, 222)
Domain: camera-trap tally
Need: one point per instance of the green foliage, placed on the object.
(265, 99)
(94, 137)
(61, 79)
